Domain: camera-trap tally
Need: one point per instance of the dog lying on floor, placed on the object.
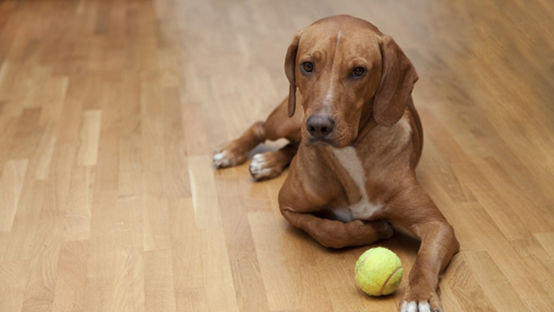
(353, 149)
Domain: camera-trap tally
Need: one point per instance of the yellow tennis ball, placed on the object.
(378, 271)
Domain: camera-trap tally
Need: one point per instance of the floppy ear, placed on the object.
(397, 81)
(290, 64)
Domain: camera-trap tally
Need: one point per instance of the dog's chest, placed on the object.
(363, 209)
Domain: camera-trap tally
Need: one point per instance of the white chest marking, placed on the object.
(364, 208)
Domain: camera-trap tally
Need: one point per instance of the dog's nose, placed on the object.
(320, 126)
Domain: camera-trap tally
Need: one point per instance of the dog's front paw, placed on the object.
(266, 166)
(430, 303)
(223, 159)
(229, 156)
(414, 306)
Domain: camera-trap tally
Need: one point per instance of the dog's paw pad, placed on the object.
(413, 306)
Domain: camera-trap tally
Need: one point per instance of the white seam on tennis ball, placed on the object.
(357, 268)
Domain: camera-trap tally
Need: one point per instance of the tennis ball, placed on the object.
(378, 271)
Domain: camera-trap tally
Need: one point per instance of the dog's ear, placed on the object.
(397, 81)
(290, 64)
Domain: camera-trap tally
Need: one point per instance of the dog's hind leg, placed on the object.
(338, 234)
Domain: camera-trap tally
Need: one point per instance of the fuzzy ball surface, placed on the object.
(378, 271)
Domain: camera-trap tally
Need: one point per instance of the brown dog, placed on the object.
(357, 140)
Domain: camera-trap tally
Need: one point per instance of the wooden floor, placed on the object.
(109, 112)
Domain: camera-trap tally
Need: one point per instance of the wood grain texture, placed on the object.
(110, 110)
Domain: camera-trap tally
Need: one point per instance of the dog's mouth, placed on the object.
(334, 141)
(321, 141)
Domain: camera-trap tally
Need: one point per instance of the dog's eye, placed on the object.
(358, 72)
(307, 67)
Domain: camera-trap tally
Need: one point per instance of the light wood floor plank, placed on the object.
(11, 183)
(71, 276)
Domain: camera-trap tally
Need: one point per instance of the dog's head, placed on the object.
(340, 64)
